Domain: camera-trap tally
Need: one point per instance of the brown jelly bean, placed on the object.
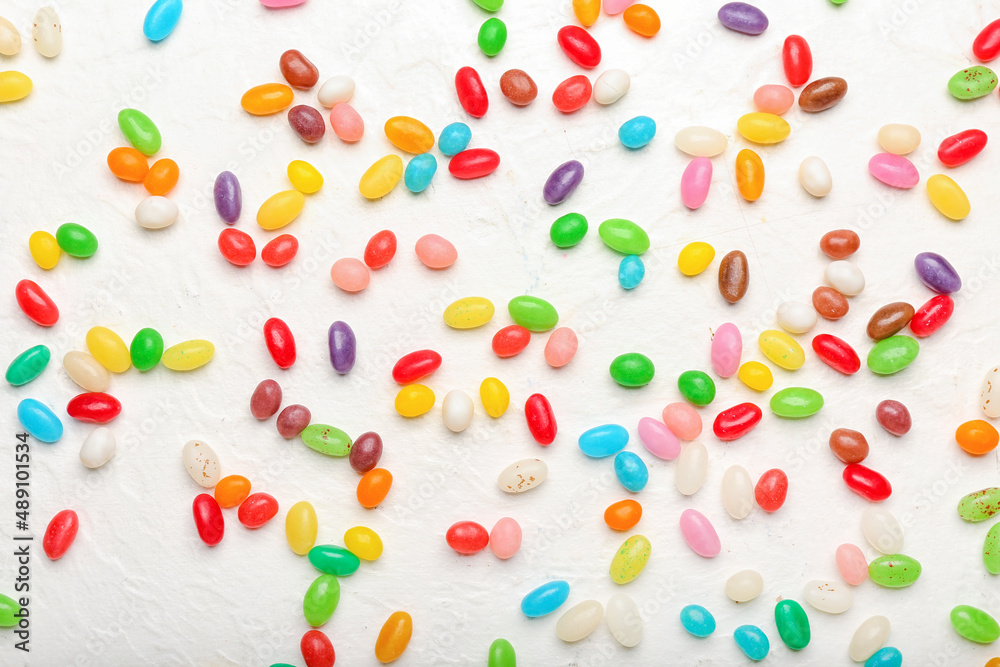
(734, 276)
(265, 400)
(822, 94)
(893, 417)
(307, 123)
(830, 303)
(518, 87)
(293, 420)
(840, 243)
(848, 445)
(366, 452)
(298, 71)
(889, 319)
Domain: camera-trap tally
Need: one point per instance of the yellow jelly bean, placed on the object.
(749, 174)
(363, 542)
(44, 249)
(409, 134)
(109, 349)
(630, 559)
(756, 375)
(304, 177)
(267, 99)
(189, 355)
(414, 400)
(763, 128)
(14, 86)
(301, 527)
(381, 177)
(587, 11)
(495, 397)
(394, 637)
(469, 313)
(280, 209)
(695, 258)
(948, 197)
(782, 349)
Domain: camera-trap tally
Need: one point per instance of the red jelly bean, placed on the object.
(280, 342)
(415, 365)
(541, 420)
(474, 163)
(317, 649)
(867, 483)
(467, 537)
(962, 147)
(737, 421)
(471, 92)
(237, 247)
(579, 46)
(60, 534)
(771, 489)
(36, 304)
(987, 44)
(893, 417)
(511, 341)
(208, 519)
(572, 94)
(95, 407)
(380, 250)
(932, 315)
(836, 353)
(280, 250)
(257, 509)
(797, 59)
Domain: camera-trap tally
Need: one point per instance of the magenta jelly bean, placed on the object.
(737, 421)
(562, 182)
(579, 46)
(894, 170)
(695, 182)
(471, 92)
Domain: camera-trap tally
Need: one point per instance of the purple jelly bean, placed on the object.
(228, 197)
(937, 273)
(741, 17)
(563, 181)
(343, 347)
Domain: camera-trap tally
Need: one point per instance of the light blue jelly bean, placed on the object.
(419, 172)
(697, 620)
(637, 132)
(631, 271)
(454, 138)
(885, 657)
(602, 441)
(545, 599)
(631, 471)
(38, 420)
(161, 19)
(752, 641)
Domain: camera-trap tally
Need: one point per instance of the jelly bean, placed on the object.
(280, 209)
(189, 355)
(695, 183)
(613, 7)
(867, 483)
(409, 134)
(932, 315)
(60, 534)
(505, 538)
(642, 20)
(894, 170)
(796, 402)
(366, 452)
(86, 371)
(202, 463)
(977, 437)
(334, 560)
(321, 600)
(894, 571)
(773, 99)
(697, 620)
(343, 347)
(44, 249)
(893, 417)
(572, 94)
(632, 369)
(937, 273)
(304, 177)
(257, 509)
(561, 347)
(298, 70)
(28, 365)
(545, 599)
(266, 99)
(898, 139)
(419, 172)
(568, 230)
(764, 128)
(471, 92)
(94, 407)
(848, 445)
(986, 46)
(317, 649)
(454, 138)
(540, 419)
(562, 182)
(691, 469)
(580, 621)
(457, 411)
(208, 519)
(757, 376)
(752, 641)
(414, 400)
(336, 90)
(519, 88)
(232, 490)
(156, 212)
(852, 564)
(109, 349)
(845, 277)
(10, 45)
(948, 197)
(771, 490)
(659, 440)
(980, 505)
(492, 36)
(35, 303)
(972, 83)
(781, 349)
(793, 624)
(886, 657)
(829, 303)
(623, 515)
(237, 247)
(347, 123)
(637, 132)
(695, 258)
(381, 177)
(611, 86)
(631, 471)
(796, 58)
(840, 243)
(474, 163)
(586, 12)
(960, 148)
(744, 18)
(161, 177)
(737, 497)
(869, 636)
(501, 654)
(326, 440)
(39, 420)
(579, 46)
(140, 131)
(736, 421)
(749, 175)
(893, 354)
(696, 387)
(350, 274)
(523, 475)
(128, 164)
(394, 637)
(796, 317)
(991, 550)
(990, 407)
(280, 341)
(280, 250)
(381, 249)
(744, 586)
(700, 141)
(510, 341)
(624, 620)
(161, 19)
(815, 177)
(631, 272)
(624, 236)
(734, 276)
(265, 400)
(882, 530)
(228, 197)
(467, 537)
(14, 86)
(699, 534)
(373, 487)
(98, 448)
(469, 313)
(822, 94)
(682, 420)
(727, 347)
(630, 559)
(533, 313)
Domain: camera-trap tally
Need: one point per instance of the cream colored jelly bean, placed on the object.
(522, 475)
(744, 586)
(814, 176)
(624, 620)
(156, 212)
(611, 86)
(737, 492)
(898, 139)
(579, 621)
(796, 317)
(10, 38)
(457, 410)
(868, 638)
(828, 596)
(882, 530)
(700, 141)
(202, 463)
(691, 468)
(989, 396)
(845, 277)
(46, 32)
(86, 371)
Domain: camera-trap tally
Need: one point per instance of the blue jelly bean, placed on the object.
(161, 19)
(637, 132)
(632, 473)
(631, 271)
(419, 172)
(697, 620)
(602, 441)
(38, 420)
(545, 599)
(752, 641)
(454, 138)
(885, 657)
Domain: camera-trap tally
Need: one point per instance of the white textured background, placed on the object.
(138, 587)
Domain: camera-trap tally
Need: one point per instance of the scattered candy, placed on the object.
(580, 621)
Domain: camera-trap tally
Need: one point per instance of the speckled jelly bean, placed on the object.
(894, 571)
(980, 505)
(523, 475)
(972, 83)
(630, 559)
(469, 313)
(189, 355)
(781, 349)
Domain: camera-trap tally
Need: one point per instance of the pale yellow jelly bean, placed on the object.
(44, 249)
(414, 400)
(304, 177)
(469, 313)
(898, 138)
(280, 209)
(14, 86)
(695, 258)
(84, 370)
(381, 177)
(763, 128)
(700, 141)
(301, 527)
(495, 397)
(948, 197)
(782, 349)
(109, 349)
(189, 355)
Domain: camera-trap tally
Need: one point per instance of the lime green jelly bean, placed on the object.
(492, 36)
(630, 559)
(975, 624)
(9, 609)
(893, 354)
(334, 560)
(568, 230)
(502, 654)
(696, 387)
(632, 369)
(532, 313)
(326, 440)
(894, 570)
(140, 131)
(796, 402)
(624, 236)
(146, 349)
(793, 624)
(321, 600)
(490, 5)
(991, 550)
(980, 505)
(972, 82)
(76, 240)
(28, 365)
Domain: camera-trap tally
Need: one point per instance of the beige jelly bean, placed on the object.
(845, 277)
(744, 586)
(611, 86)
(898, 138)
(882, 530)
(579, 621)
(10, 38)
(868, 638)
(522, 475)
(202, 463)
(692, 466)
(700, 141)
(796, 317)
(829, 596)
(86, 371)
(737, 492)
(47, 32)
(989, 397)
(624, 620)
(814, 176)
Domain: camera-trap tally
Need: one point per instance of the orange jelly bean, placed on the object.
(162, 177)
(128, 164)
(394, 637)
(977, 437)
(749, 174)
(642, 20)
(409, 134)
(267, 99)
(373, 487)
(232, 490)
(623, 515)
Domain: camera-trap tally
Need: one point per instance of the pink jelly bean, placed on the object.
(561, 347)
(727, 348)
(695, 182)
(852, 564)
(613, 7)
(658, 439)
(280, 4)
(894, 170)
(350, 275)
(505, 538)
(435, 252)
(682, 420)
(773, 98)
(347, 122)
(699, 534)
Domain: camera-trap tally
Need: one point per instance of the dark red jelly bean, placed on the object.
(474, 163)
(415, 365)
(95, 407)
(541, 420)
(208, 519)
(987, 43)
(737, 421)
(572, 94)
(298, 70)
(280, 250)
(257, 509)
(380, 250)
(265, 400)
(60, 533)
(467, 537)
(962, 147)
(366, 452)
(836, 353)
(797, 59)
(292, 421)
(307, 122)
(471, 92)
(317, 649)
(893, 417)
(280, 342)
(579, 46)
(36, 304)
(237, 246)
(510, 341)
(932, 315)
(771, 489)
(867, 483)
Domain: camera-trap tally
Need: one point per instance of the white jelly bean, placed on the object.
(579, 621)
(815, 177)
(869, 638)
(845, 277)
(156, 212)
(611, 86)
(47, 32)
(737, 492)
(700, 141)
(202, 463)
(796, 317)
(744, 586)
(457, 410)
(522, 475)
(692, 466)
(624, 620)
(335, 90)
(10, 38)
(898, 138)
(989, 397)
(882, 530)
(829, 596)
(98, 448)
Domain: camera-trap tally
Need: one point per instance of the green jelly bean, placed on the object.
(140, 131)
(893, 354)
(980, 505)
(624, 236)
(894, 570)
(696, 387)
(326, 440)
(9, 608)
(321, 600)
(796, 402)
(76, 240)
(991, 550)
(972, 82)
(335, 560)
(568, 230)
(502, 654)
(975, 624)
(146, 349)
(632, 369)
(532, 313)
(28, 365)
(492, 36)
(630, 559)
(793, 624)
(490, 5)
